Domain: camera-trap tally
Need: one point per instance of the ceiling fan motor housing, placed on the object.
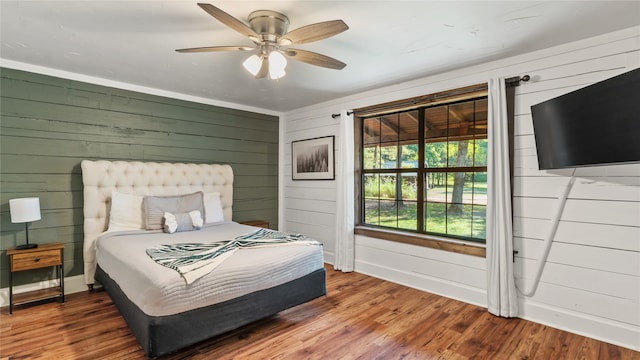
(270, 25)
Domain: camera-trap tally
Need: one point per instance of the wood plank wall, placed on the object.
(49, 125)
(592, 274)
(591, 282)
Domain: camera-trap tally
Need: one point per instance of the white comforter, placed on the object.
(159, 291)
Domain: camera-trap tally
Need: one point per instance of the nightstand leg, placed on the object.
(10, 292)
(61, 279)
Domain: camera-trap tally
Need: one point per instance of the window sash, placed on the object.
(473, 92)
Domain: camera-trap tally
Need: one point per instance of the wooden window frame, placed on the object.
(467, 247)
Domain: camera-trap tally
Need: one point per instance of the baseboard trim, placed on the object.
(432, 285)
(72, 284)
(625, 335)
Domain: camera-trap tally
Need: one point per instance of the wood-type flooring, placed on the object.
(360, 318)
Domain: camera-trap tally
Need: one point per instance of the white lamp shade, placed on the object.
(253, 64)
(277, 63)
(24, 209)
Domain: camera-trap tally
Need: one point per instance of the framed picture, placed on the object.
(313, 159)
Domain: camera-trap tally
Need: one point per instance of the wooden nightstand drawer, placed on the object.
(34, 260)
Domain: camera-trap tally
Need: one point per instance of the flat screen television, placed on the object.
(596, 125)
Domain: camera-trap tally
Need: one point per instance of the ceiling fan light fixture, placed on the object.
(268, 30)
(277, 64)
(253, 64)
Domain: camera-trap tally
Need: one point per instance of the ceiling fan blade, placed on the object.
(229, 20)
(313, 32)
(264, 69)
(313, 58)
(214, 49)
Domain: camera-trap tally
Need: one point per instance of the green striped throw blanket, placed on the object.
(194, 260)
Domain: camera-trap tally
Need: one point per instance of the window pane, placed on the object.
(452, 153)
(435, 155)
(389, 129)
(389, 157)
(371, 211)
(480, 153)
(388, 186)
(479, 225)
(371, 131)
(409, 156)
(461, 120)
(460, 188)
(480, 115)
(388, 213)
(372, 199)
(435, 187)
(408, 139)
(435, 124)
(480, 188)
(407, 215)
(459, 220)
(435, 218)
(460, 153)
(371, 157)
(408, 126)
(371, 186)
(409, 187)
(435, 202)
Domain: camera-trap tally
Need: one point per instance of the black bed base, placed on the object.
(161, 335)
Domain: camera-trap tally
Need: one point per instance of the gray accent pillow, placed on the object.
(154, 207)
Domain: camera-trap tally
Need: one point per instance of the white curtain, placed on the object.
(502, 298)
(345, 241)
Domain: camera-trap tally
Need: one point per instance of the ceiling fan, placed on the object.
(268, 31)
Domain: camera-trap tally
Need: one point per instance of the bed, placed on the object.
(168, 310)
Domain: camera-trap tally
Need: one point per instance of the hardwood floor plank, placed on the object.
(360, 318)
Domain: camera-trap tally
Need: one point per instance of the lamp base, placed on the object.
(26, 246)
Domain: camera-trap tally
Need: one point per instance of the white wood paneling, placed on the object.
(588, 257)
(460, 277)
(307, 192)
(597, 235)
(591, 281)
(617, 309)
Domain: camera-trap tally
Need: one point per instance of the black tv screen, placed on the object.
(595, 125)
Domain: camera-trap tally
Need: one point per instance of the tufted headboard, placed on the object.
(100, 177)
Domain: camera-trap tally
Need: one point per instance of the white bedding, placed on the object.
(158, 290)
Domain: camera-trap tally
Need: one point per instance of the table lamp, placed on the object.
(25, 210)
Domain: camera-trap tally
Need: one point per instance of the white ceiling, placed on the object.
(388, 41)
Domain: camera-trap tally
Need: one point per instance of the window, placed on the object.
(424, 168)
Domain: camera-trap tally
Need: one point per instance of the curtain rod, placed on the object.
(515, 81)
(338, 115)
(512, 81)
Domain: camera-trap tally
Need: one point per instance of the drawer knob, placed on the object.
(37, 259)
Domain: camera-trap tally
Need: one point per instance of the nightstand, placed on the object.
(257, 223)
(45, 255)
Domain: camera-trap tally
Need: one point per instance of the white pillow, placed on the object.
(213, 208)
(126, 212)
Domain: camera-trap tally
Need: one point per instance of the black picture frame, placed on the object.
(313, 159)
